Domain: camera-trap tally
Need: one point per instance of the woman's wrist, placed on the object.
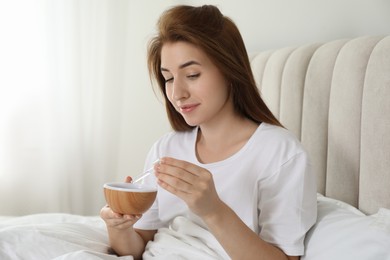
(214, 217)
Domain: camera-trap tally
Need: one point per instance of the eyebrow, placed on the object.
(182, 66)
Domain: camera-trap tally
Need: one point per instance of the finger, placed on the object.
(180, 169)
(174, 186)
(175, 180)
(121, 223)
(126, 220)
(132, 217)
(128, 179)
(125, 225)
(184, 165)
(176, 177)
(114, 215)
(107, 213)
(110, 214)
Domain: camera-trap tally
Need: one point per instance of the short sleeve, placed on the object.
(287, 204)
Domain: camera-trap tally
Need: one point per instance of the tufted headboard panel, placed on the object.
(335, 97)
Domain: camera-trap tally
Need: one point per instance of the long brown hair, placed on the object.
(218, 36)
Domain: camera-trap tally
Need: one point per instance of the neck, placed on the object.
(222, 141)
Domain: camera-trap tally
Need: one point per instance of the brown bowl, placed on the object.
(129, 198)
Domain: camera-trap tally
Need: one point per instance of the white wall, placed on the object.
(107, 138)
(264, 24)
(278, 23)
(144, 119)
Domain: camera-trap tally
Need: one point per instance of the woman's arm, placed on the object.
(124, 239)
(238, 240)
(195, 186)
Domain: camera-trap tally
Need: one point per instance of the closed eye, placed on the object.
(168, 80)
(193, 76)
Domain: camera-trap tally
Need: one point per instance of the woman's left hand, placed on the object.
(191, 183)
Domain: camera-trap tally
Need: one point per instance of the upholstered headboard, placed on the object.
(335, 97)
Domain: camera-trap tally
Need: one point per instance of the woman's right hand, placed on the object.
(116, 220)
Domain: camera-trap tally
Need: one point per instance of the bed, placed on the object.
(335, 97)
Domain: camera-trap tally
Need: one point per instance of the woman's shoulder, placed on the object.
(277, 131)
(277, 138)
(274, 146)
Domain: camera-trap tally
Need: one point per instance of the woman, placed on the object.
(229, 164)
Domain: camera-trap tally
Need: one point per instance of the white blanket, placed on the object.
(184, 240)
(54, 236)
(68, 237)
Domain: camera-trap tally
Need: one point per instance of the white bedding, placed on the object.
(64, 236)
(54, 236)
(342, 232)
(184, 240)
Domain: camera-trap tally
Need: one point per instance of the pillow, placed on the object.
(344, 232)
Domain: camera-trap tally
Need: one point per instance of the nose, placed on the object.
(179, 90)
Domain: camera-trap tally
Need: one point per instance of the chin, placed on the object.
(191, 123)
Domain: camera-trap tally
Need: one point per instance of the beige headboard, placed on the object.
(335, 97)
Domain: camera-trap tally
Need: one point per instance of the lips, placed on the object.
(188, 108)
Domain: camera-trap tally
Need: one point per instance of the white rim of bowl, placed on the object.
(121, 186)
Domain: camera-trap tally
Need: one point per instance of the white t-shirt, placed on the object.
(268, 183)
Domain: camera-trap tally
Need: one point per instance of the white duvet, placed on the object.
(184, 240)
(54, 236)
(64, 236)
(341, 232)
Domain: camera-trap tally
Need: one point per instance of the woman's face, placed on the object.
(194, 85)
